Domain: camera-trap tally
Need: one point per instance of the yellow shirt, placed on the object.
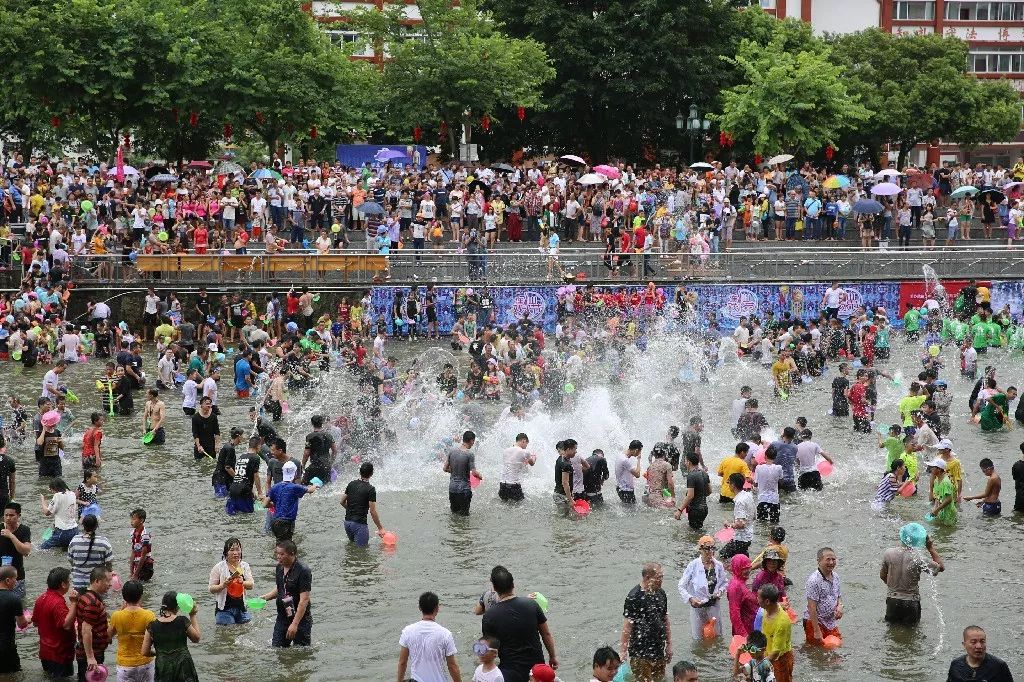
(780, 371)
(130, 627)
(779, 632)
(954, 470)
(729, 466)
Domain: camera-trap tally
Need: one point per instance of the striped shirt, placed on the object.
(92, 611)
(887, 489)
(83, 560)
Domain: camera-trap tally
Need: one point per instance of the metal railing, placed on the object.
(507, 267)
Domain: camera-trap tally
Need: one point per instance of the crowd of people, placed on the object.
(284, 350)
(76, 218)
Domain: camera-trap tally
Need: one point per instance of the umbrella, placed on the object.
(700, 164)
(164, 177)
(128, 170)
(608, 171)
(886, 189)
(386, 154)
(888, 173)
(867, 206)
(836, 182)
(481, 185)
(1013, 186)
(228, 168)
(913, 171)
(574, 159)
(994, 194)
(503, 167)
(155, 170)
(264, 173)
(966, 190)
(781, 158)
(200, 164)
(592, 179)
(371, 208)
(920, 180)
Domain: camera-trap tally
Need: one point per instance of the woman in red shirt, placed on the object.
(201, 238)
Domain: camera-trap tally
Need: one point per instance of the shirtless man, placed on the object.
(988, 501)
(153, 417)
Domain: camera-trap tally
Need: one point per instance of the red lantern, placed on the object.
(313, 133)
(829, 152)
(174, 113)
(724, 140)
(521, 114)
(417, 133)
(228, 130)
(193, 119)
(127, 141)
(444, 129)
(260, 118)
(757, 159)
(55, 121)
(485, 123)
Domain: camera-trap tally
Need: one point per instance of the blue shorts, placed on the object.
(239, 505)
(992, 508)
(220, 491)
(233, 616)
(358, 533)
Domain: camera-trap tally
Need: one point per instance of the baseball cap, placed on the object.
(291, 327)
(542, 672)
(288, 473)
(938, 463)
(944, 444)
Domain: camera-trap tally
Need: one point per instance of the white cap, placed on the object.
(938, 463)
(289, 469)
(944, 444)
(213, 346)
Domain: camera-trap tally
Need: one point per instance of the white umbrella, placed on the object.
(886, 189)
(592, 179)
(781, 158)
(573, 158)
(888, 173)
(129, 170)
(701, 164)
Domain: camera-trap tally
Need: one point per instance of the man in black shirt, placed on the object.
(319, 454)
(698, 486)
(247, 469)
(15, 545)
(977, 663)
(519, 624)
(12, 610)
(294, 580)
(646, 635)
(224, 470)
(595, 476)
(360, 500)
(1017, 471)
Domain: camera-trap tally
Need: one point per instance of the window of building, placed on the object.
(985, 11)
(913, 9)
(763, 4)
(996, 60)
(360, 46)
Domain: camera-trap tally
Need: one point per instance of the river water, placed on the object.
(362, 598)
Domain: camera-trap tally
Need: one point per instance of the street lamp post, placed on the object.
(695, 125)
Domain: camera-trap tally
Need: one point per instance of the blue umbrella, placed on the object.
(371, 208)
(867, 206)
(386, 154)
(265, 173)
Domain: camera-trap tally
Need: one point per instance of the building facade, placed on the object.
(994, 32)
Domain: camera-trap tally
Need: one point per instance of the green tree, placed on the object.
(455, 67)
(793, 102)
(920, 90)
(625, 68)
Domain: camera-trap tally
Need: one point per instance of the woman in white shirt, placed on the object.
(63, 507)
(702, 586)
(229, 579)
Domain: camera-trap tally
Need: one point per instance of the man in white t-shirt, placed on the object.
(209, 387)
(51, 382)
(514, 463)
(428, 649)
(832, 299)
(807, 453)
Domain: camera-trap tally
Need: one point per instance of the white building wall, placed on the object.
(841, 16)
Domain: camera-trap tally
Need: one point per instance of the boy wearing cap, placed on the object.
(953, 469)
(285, 497)
(943, 494)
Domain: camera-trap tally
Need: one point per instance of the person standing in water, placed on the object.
(626, 472)
(988, 501)
(595, 476)
(461, 464)
(515, 461)
(698, 487)
(1017, 471)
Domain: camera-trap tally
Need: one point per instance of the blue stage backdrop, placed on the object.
(727, 302)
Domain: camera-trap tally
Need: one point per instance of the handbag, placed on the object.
(800, 225)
